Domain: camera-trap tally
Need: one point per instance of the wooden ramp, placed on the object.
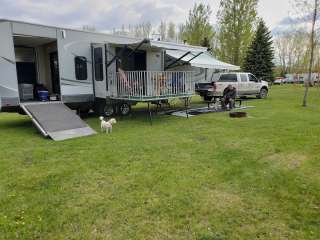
(56, 120)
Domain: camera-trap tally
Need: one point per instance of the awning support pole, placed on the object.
(116, 57)
(125, 47)
(177, 60)
(137, 47)
(193, 58)
(111, 61)
(186, 101)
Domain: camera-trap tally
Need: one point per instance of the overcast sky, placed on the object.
(109, 14)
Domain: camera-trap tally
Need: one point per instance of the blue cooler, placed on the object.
(43, 95)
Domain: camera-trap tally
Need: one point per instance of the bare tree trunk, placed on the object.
(312, 45)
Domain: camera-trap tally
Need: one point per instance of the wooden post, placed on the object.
(150, 114)
(186, 106)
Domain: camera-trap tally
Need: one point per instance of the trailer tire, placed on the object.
(84, 112)
(108, 110)
(105, 110)
(124, 109)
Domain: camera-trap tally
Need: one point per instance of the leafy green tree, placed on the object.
(171, 34)
(197, 27)
(260, 54)
(163, 30)
(236, 21)
(310, 15)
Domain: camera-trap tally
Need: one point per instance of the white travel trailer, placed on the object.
(88, 70)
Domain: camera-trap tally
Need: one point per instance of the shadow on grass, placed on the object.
(17, 123)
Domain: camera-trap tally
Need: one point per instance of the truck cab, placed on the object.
(245, 83)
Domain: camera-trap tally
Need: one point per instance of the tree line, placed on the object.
(167, 31)
(229, 40)
(293, 45)
(240, 37)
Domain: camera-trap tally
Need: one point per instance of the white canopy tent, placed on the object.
(201, 60)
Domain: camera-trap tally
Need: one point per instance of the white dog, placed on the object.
(106, 126)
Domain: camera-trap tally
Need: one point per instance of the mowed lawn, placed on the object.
(207, 177)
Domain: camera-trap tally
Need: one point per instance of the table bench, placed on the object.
(216, 99)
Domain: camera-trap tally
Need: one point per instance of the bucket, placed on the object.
(43, 95)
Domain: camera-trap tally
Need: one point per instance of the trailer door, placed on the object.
(9, 94)
(111, 69)
(99, 70)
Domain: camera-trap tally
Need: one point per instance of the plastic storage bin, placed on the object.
(26, 91)
(43, 95)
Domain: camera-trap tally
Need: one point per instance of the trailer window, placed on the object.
(81, 68)
(98, 64)
(228, 78)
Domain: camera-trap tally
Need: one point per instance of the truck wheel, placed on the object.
(207, 98)
(263, 93)
(103, 109)
(124, 109)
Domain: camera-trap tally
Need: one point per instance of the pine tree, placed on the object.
(259, 58)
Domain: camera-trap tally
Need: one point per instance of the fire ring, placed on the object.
(238, 114)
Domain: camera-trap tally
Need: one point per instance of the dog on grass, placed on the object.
(106, 126)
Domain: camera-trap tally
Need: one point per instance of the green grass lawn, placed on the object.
(207, 177)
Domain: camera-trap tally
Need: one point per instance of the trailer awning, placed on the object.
(195, 55)
(177, 46)
(120, 40)
(203, 60)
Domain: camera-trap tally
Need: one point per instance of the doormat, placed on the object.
(197, 111)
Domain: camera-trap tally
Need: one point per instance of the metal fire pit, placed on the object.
(238, 114)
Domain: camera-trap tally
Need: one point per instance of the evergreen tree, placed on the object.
(259, 59)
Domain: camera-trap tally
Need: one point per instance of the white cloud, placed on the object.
(273, 11)
(108, 14)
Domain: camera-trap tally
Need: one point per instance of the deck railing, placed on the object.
(149, 85)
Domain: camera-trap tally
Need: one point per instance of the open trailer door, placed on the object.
(9, 93)
(99, 70)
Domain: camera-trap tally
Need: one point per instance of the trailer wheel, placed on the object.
(124, 109)
(84, 112)
(108, 110)
(103, 109)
